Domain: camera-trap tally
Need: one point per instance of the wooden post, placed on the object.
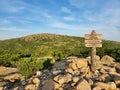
(93, 61)
(93, 40)
(93, 54)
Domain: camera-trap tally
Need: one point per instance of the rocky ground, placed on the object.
(71, 74)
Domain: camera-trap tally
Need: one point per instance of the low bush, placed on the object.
(28, 66)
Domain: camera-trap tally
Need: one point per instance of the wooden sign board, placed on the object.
(93, 45)
(93, 40)
(93, 37)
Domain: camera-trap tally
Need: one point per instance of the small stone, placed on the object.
(73, 66)
(105, 77)
(56, 78)
(49, 85)
(24, 82)
(88, 75)
(73, 84)
(117, 68)
(90, 82)
(60, 88)
(68, 78)
(30, 87)
(107, 60)
(82, 63)
(83, 85)
(16, 88)
(106, 86)
(69, 70)
(36, 81)
(102, 71)
(96, 73)
(117, 81)
(1, 88)
(38, 73)
(84, 70)
(56, 86)
(96, 88)
(55, 72)
(75, 79)
(77, 71)
(112, 85)
(3, 83)
(12, 80)
(67, 87)
(61, 80)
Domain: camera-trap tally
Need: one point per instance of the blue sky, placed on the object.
(69, 17)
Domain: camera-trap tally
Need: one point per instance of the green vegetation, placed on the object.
(39, 51)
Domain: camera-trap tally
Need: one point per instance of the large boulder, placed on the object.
(83, 85)
(82, 62)
(107, 60)
(97, 59)
(60, 65)
(61, 79)
(106, 86)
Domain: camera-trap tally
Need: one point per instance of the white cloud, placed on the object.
(60, 25)
(47, 15)
(109, 32)
(69, 18)
(65, 10)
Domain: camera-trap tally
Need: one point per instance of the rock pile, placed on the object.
(72, 74)
(78, 75)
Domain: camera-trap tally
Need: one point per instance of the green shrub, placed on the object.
(28, 66)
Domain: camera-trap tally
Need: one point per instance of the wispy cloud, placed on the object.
(65, 10)
(24, 21)
(11, 6)
(11, 29)
(69, 18)
(60, 25)
(76, 17)
(5, 21)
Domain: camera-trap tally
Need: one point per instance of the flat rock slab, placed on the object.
(60, 65)
(49, 85)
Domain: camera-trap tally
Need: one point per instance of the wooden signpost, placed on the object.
(93, 40)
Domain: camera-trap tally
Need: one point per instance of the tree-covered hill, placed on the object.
(51, 45)
(34, 52)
